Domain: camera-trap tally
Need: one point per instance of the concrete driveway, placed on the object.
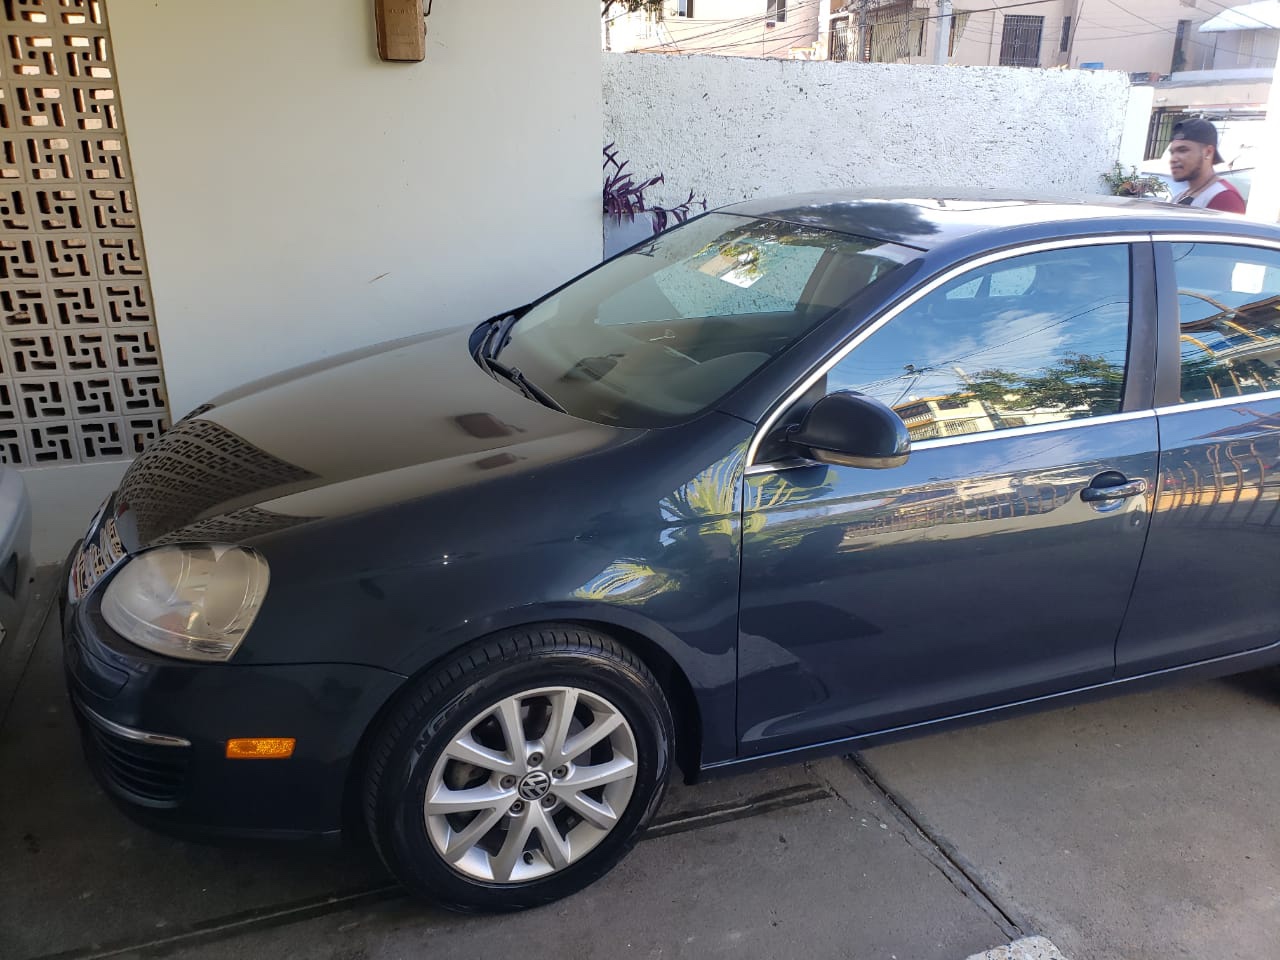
(1138, 828)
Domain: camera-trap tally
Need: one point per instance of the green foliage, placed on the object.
(630, 6)
(1075, 382)
(1133, 184)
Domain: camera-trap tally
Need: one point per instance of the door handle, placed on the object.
(1131, 488)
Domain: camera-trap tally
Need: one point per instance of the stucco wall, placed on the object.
(736, 129)
(300, 197)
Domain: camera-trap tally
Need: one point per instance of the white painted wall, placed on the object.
(811, 125)
(300, 197)
(1137, 126)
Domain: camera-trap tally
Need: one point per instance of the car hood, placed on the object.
(386, 424)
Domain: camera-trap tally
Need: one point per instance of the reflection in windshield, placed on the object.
(659, 334)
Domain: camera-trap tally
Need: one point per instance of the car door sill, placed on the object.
(1200, 670)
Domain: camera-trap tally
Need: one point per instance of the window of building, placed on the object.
(776, 10)
(1020, 42)
(1180, 46)
(1228, 319)
(895, 32)
(1160, 130)
(838, 39)
(1065, 41)
(959, 19)
(684, 8)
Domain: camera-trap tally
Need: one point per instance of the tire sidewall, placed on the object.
(400, 819)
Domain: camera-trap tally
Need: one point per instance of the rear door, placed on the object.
(1209, 584)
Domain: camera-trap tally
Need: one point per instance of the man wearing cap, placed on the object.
(1192, 154)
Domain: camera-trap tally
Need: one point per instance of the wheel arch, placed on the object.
(686, 714)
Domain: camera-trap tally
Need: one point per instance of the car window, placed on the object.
(660, 333)
(1042, 340)
(1228, 319)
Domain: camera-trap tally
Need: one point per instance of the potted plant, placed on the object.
(1131, 183)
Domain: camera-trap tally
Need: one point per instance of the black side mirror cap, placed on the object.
(850, 429)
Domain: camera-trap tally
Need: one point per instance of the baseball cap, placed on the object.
(1199, 131)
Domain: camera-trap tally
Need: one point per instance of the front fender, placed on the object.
(403, 588)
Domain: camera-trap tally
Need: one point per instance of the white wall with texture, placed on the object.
(300, 197)
(734, 129)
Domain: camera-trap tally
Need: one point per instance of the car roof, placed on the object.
(986, 219)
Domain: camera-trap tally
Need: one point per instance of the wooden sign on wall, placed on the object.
(402, 29)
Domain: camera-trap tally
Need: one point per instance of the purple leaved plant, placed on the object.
(624, 196)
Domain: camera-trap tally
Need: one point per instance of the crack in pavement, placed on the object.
(917, 834)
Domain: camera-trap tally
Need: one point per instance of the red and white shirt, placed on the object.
(1218, 195)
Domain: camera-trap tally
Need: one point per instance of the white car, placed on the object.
(1240, 177)
(15, 550)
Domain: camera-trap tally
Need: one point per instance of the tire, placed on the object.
(537, 823)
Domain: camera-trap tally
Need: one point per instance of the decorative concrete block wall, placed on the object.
(80, 375)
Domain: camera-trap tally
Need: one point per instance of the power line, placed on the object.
(758, 41)
(1236, 10)
(974, 13)
(740, 23)
(1159, 28)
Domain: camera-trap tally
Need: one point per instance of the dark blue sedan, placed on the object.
(798, 476)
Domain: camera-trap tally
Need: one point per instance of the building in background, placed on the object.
(1148, 38)
(1145, 37)
(786, 29)
(1222, 70)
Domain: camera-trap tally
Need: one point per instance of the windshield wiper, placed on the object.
(526, 386)
(498, 336)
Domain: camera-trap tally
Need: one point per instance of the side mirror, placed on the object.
(850, 429)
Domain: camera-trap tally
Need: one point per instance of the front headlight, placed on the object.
(192, 602)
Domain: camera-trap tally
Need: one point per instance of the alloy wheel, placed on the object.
(531, 785)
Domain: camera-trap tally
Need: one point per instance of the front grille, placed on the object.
(155, 775)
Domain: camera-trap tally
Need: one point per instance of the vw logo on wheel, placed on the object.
(535, 786)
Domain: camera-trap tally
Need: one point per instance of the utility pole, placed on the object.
(944, 32)
(863, 28)
(1075, 27)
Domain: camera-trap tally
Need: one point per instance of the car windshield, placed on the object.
(660, 333)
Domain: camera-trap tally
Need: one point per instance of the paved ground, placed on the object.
(1146, 826)
(1138, 828)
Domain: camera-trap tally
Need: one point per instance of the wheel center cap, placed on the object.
(535, 785)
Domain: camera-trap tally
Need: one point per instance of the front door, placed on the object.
(996, 564)
(1208, 585)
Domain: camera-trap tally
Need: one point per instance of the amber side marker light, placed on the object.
(260, 748)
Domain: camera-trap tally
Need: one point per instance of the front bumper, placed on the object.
(155, 732)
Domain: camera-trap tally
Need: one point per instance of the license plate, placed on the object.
(98, 556)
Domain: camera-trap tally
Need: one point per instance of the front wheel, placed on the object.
(520, 771)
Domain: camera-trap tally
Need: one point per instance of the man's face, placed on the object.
(1188, 159)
